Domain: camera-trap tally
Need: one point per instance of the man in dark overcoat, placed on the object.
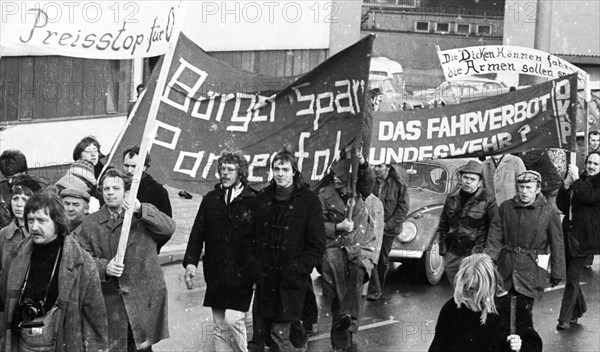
(579, 200)
(289, 240)
(527, 227)
(150, 191)
(134, 291)
(225, 215)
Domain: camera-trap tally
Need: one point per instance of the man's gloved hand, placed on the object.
(190, 273)
(554, 281)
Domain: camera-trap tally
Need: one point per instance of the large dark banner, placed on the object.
(538, 117)
(209, 106)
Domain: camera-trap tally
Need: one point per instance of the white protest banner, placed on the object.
(463, 62)
(88, 29)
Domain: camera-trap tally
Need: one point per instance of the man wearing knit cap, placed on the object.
(465, 219)
(526, 227)
(76, 204)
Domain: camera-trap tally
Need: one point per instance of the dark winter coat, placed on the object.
(460, 329)
(139, 296)
(222, 228)
(582, 233)
(289, 240)
(82, 314)
(394, 197)
(464, 230)
(154, 193)
(516, 239)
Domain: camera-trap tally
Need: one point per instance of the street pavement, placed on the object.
(404, 320)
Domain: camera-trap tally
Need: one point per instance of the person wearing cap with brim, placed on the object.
(528, 226)
(465, 219)
(77, 203)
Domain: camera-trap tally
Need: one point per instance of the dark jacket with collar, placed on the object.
(82, 321)
(222, 228)
(154, 193)
(394, 196)
(520, 234)
(582, 231)
(139, 296)
(463, 230)
(288, 240)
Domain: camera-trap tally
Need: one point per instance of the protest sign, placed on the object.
(209, 106)
(539, 117)
(88, 29)
(463, 62)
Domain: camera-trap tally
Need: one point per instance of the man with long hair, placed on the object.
(223, 219)
(48, 270)
(288, 239)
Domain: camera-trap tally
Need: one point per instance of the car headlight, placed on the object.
(409, 232)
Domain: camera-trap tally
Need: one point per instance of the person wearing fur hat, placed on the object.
(528, 226)
(465, 219)
(351, 244)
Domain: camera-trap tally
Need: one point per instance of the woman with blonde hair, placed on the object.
(477, 318)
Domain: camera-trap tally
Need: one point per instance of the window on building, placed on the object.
(442, 27)
(484, 29)
(422, 26)
(49, 87)
(463, 28)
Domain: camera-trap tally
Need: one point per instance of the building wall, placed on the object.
(400, 39)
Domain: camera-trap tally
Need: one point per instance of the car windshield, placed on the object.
(425, 176)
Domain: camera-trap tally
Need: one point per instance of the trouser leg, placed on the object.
(451, 266)
(573, 303)
(280, 334)
(384, 256)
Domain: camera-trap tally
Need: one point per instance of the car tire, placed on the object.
(431, 264)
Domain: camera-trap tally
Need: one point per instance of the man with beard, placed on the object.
(578, 200)
(288, 239)
(76, 204)
(526, 227)
(466, 218)
(223, 219)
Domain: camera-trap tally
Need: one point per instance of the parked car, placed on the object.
(429, 183)
(392, 99)
(461, 91)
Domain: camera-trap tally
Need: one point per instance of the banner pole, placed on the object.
(146, 138)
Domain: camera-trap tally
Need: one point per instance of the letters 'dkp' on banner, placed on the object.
(208, 106)
(464, 62)
(539, 117)
(88, 29)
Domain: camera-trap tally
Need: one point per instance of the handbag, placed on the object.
(39, 335)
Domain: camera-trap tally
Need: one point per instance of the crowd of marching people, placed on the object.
(66, 286)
